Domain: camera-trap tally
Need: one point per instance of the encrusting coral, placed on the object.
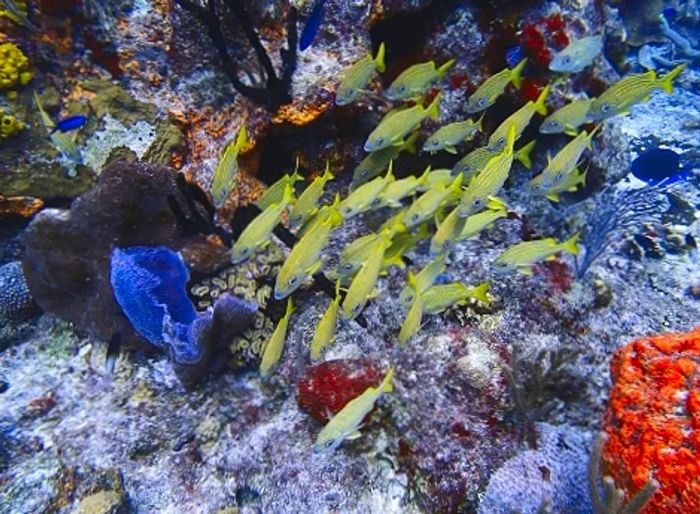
(14, 66)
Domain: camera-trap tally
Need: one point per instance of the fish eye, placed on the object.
(482, 102)
(328, 444)
(414, 217)
(559, 176)
(477, 202)
(605, 107)
(347, 267)
(379, 141)
(566, 59)
(293, 281)
(501, 141)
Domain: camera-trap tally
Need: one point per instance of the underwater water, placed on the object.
(323, 256)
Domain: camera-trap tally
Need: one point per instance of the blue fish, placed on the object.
(70, 123)
(514, 55)
(658, 165)
(312, 25)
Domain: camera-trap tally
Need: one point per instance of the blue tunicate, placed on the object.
(514, 55)
(658, 165)
(669, 13)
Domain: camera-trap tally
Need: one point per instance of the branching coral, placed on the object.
(275, 92)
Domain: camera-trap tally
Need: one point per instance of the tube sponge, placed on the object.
(14, 66)
(9, 124)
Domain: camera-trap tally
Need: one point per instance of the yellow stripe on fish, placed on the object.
(441, 297)
(275, 345)
(520, 119)
(412, 322)
(324, 335)
(362, 286)
(489, 181)
(478, 222)
(225, 173)
(567, 119)
(305, 259)
(275, 192)
(306, 204)
(366, 196)
(428, 203)
(346, 423)
(631, 90)
(378, 161)
(414, 82)
(257, 234)
(357, 77)
(488, 92)
(523, 255)
(563, 164)
(422, 280)
(448, 137)
(392, 130)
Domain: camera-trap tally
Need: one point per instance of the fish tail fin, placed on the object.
(242, 138)
(480, 123)
(571, 244)
(290, 307)
(288, 195)
(582, 177)
(510, 142)
(327, 174)
(540, 105)
(480, 292)
(496, 204)
(593, 133)
(410, 143)
(425, 177)
(445, 67)
(433, 110)
(666, 82)
(456, 184)
(337, 288)
(379, 63)
(516, 73)
(523, 154)
(394, 260)
(387, 385)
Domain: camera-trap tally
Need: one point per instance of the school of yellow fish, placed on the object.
(445, 205)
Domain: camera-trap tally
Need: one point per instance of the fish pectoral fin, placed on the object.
(570, 131)
(551, 258)
(354, 435)
(525, 270)
(451, 149)
(315, 267)
(553, 197)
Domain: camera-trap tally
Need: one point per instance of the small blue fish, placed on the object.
(70, 123)
(313, 23)
(658, 165)
(514, 55)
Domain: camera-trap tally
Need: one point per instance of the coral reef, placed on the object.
(651, 422)
(9, 124)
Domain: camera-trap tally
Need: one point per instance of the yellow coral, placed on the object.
(14, 66)
(9, 124)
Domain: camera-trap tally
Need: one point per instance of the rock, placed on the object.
(68, 252)
(652, 420)
(104, 502)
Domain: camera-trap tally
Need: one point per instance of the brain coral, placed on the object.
(653, 420)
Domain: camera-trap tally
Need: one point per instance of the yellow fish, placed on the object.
(447, 232)
(63, 141)
(356, 253)
(631, 90)
(438, 298)
(523, 255)
(562, 165)
(488, 92)
(400, 189)
(567, 119)
(225, 173)
(325, 330)
(415, 81)
(346, 424)
(275, 345)
(306, 204)
(568, 184)
(478, 222)
(449, 136)
(476, 160)
(356, 79)
(362, 285)
(259, 231)
(489, 181)
(366, 196)
(378, 161)
(429, 202)
(275, 192)
(305, 258)
(422, 280)
(392, 130)
(412, 321)
(520, 119)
